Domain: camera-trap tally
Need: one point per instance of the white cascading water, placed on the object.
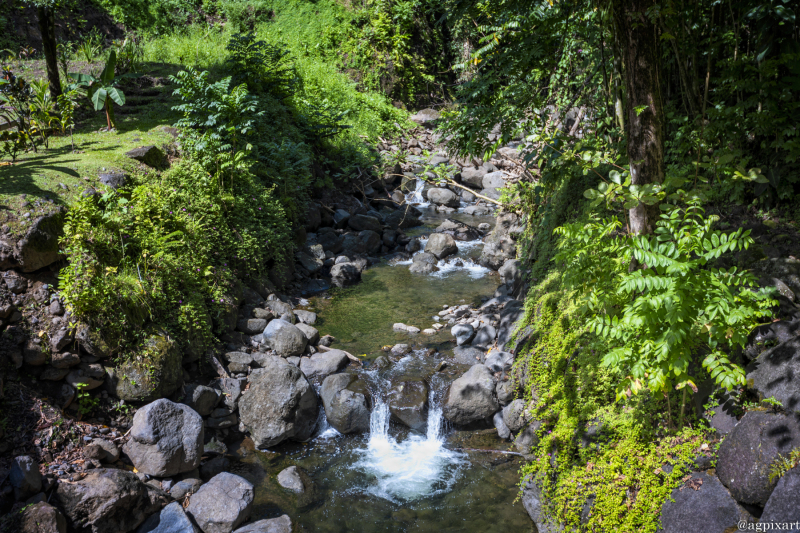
(418, 466)
(415, 196)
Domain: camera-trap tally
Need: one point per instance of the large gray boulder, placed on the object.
(469, 355)
(201, 398)
(37, 248)
(284, 338)
(458, 230)
(494, 180)
(775, 374)
(471, 397)
(408, 403)
(441, 245)
(784, 503)
(279, 405)
(426, 117)
(405, 217)
(25, 477)
(533, 502)
(499, 361)
(515, 416)
(109, 500)
(463, 333)
(444, 197)
(747, 453)
(701, 500)
(166, 439)
(345, 274)
(485, 336)
(473, 177)
(345, 409)
(157, 377)
(171, 519)
(323, 364)
(221, 504)
(282, 524)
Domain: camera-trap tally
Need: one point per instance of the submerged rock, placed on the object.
(408, 402)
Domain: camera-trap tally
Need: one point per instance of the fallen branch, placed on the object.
(503, 452)
(349, 355)
(450, 181)
(219, 368)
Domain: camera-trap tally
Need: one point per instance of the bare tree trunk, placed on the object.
(47, 27)
(643, 105)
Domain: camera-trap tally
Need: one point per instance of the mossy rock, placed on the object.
(92, 341)
(155, 372)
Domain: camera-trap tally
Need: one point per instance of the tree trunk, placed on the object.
(47, 27)
(644, 125)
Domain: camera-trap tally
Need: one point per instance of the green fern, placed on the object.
(783, 463)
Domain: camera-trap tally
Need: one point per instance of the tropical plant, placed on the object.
(89, 48)
(673, 306)
(102, 90)
(15, 98)
(66, 107)
(129, 54)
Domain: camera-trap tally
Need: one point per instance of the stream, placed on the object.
(394, 478)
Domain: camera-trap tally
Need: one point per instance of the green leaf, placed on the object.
(615, 176)
(116, 95)
(107, 76)
(99, 98)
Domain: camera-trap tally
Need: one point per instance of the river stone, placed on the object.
(701, 500)
(310, 332)
(747, 453)
(775, 374)
(323, 364)
(102, 450)
(532, 502)
(64, 359)
(42, 517)
(345, 274)
(494, 180)
(251, 326)
(441, 245)
(353, 245)
(201, 398)
(184, 487)
(471, 397)
(422, 267)
(399, 350)
(306, 317)
(158, 376)
(109, 500)
(38, 248)
(527, 438)
(171, 519)
(25, 477)
(426, 117)
(463, 333)
(284, 338)
(279, 405)
(514, 415)
(510, 319)
(782, 505)
(221, 504)
(362, 222)
(444, 197)
(473, 177)
(506, 391)
(166, 439)
(371, 241)
(290, 479)
(499, 361)
(405, 217)
(469, 355)
(345, 409)
(340, 218)
(502, 429)
(484, 337)
(458, 230)
(408, 402)
(282, 524)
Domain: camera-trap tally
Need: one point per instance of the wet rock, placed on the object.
(464, 333)
(308, 262)
(444, 197)
(149, 155)
(291, 479)
(477, 210)
(282, 524)
(408, 403)
(441, 245)
(458, 230)
(284, 338)
(109, 501)
(746, 454)
(166, 439)
(25, 477)
(499, 361)
(406, 216)
(422, 267)
(371, 241)
(323, 364)
(157, 377)
(782, 505)
(469, 355)
(221, 504)
(510, 319)
(399, 350)
(345, 409)
(279, 405)
(701, 500)
(42, 518)
(775, 374)
(345, 274)
(171, 519)
(502, 429)
(471, 397)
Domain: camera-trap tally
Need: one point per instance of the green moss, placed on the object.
(154, 372)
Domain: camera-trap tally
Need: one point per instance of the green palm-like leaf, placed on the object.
(116, 95)
(99, 98)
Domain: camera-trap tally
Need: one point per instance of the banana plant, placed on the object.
(102, 90)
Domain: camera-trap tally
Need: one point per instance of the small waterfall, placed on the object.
(416, 467)
(415, 196)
